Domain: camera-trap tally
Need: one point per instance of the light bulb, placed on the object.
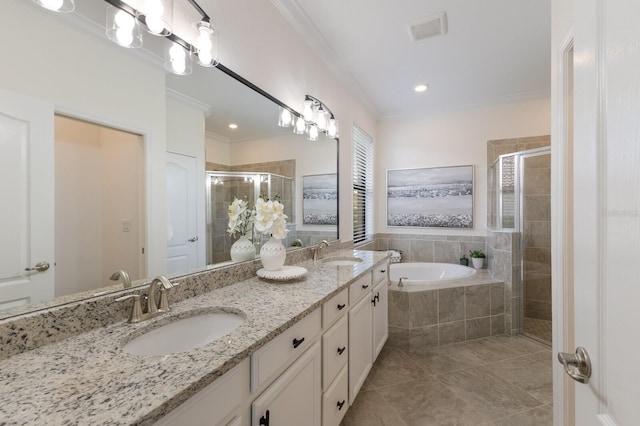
(54, 5)
(124, 21)
(313, 132)
(124, 36)
(321, 119)
(285, 118)
(205, 58)
(332, 129)
(154, 23)
(300, 127)
(178, 59)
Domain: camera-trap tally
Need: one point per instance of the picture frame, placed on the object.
(434, 197)
(320, 199)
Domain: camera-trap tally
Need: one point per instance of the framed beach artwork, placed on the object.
(437, 197)
(320, 199)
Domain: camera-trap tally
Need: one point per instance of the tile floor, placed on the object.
(496, 381)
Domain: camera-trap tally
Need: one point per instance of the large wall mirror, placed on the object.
(70, 62)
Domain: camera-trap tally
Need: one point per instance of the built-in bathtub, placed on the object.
(430, 276)
(443, 303)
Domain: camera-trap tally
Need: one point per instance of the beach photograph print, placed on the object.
(439, 197)
(320, 199)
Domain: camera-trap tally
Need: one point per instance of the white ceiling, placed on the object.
(495, 51)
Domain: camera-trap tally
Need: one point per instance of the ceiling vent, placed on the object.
(428, 27)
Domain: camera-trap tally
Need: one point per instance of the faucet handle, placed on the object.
(136, 310)
(163, 305)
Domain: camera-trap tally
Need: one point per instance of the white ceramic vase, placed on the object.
(242, 250)
(273, 254)
(478, 262)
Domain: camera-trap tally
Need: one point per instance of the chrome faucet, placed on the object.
(121, 275)
(154, 307)
(317, 251)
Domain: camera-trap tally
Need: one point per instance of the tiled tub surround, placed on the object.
(87, 379)
(431, 248)
(471, 310)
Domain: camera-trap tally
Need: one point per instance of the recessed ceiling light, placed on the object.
(233, 126)
(421, 88)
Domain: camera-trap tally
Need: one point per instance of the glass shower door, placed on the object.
(535, 222)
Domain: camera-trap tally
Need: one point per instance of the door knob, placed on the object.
(193, 240)
(578, 365)
(40, 267)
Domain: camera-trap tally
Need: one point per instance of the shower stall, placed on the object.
(519, 186)
(221, 189)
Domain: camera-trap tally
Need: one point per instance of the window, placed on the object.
(362, 186)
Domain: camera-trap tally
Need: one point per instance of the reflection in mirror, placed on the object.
(128, 90)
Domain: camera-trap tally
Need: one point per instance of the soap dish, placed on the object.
(286, 273)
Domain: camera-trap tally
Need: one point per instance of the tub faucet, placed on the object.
(317, 251)
(400, 283)
(121, 275)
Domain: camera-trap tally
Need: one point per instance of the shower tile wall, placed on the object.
(503, 249)
(537, 247)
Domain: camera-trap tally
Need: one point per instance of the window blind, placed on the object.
(362, 186)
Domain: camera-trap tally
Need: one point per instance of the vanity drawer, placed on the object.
(275, 356)
(380, 273)
(359, 288)
(335, 351)
(335, 401)
(336, 306)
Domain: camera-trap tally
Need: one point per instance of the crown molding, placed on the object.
(306, 28)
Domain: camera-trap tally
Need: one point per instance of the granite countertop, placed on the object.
(88, 380)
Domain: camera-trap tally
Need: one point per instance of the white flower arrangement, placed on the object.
(240, 217)
(270, 218)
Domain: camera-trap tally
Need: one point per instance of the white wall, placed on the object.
(87, 76)
(452, 139)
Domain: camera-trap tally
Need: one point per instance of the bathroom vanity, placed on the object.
(300, 357)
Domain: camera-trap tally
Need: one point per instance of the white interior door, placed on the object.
(27, 190)
(607, 210)
(182, 214)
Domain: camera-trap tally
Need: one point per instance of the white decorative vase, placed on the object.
(478, 262)
(273, 254)
(242, 250)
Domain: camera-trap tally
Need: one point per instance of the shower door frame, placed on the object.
(519, 225)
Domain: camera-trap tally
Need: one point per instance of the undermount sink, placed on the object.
(342, 261)
(184, 334)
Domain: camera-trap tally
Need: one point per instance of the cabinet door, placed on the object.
(360, 344)
(295, 398)
(380, 317)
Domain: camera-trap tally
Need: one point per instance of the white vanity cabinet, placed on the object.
(295, 397)
(224, 402)
(368, 325)
(380, 301)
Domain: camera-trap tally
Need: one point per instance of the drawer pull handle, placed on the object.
(341, 404)
(365, 286)
(373, 301)
(264, 420)
(297, 342)
(341, 306)
(382, 271)
(341, 350)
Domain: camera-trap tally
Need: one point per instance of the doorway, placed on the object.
(99, 204)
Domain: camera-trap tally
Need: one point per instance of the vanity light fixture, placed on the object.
(316, 117)
(126, 19)
(62, 6)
